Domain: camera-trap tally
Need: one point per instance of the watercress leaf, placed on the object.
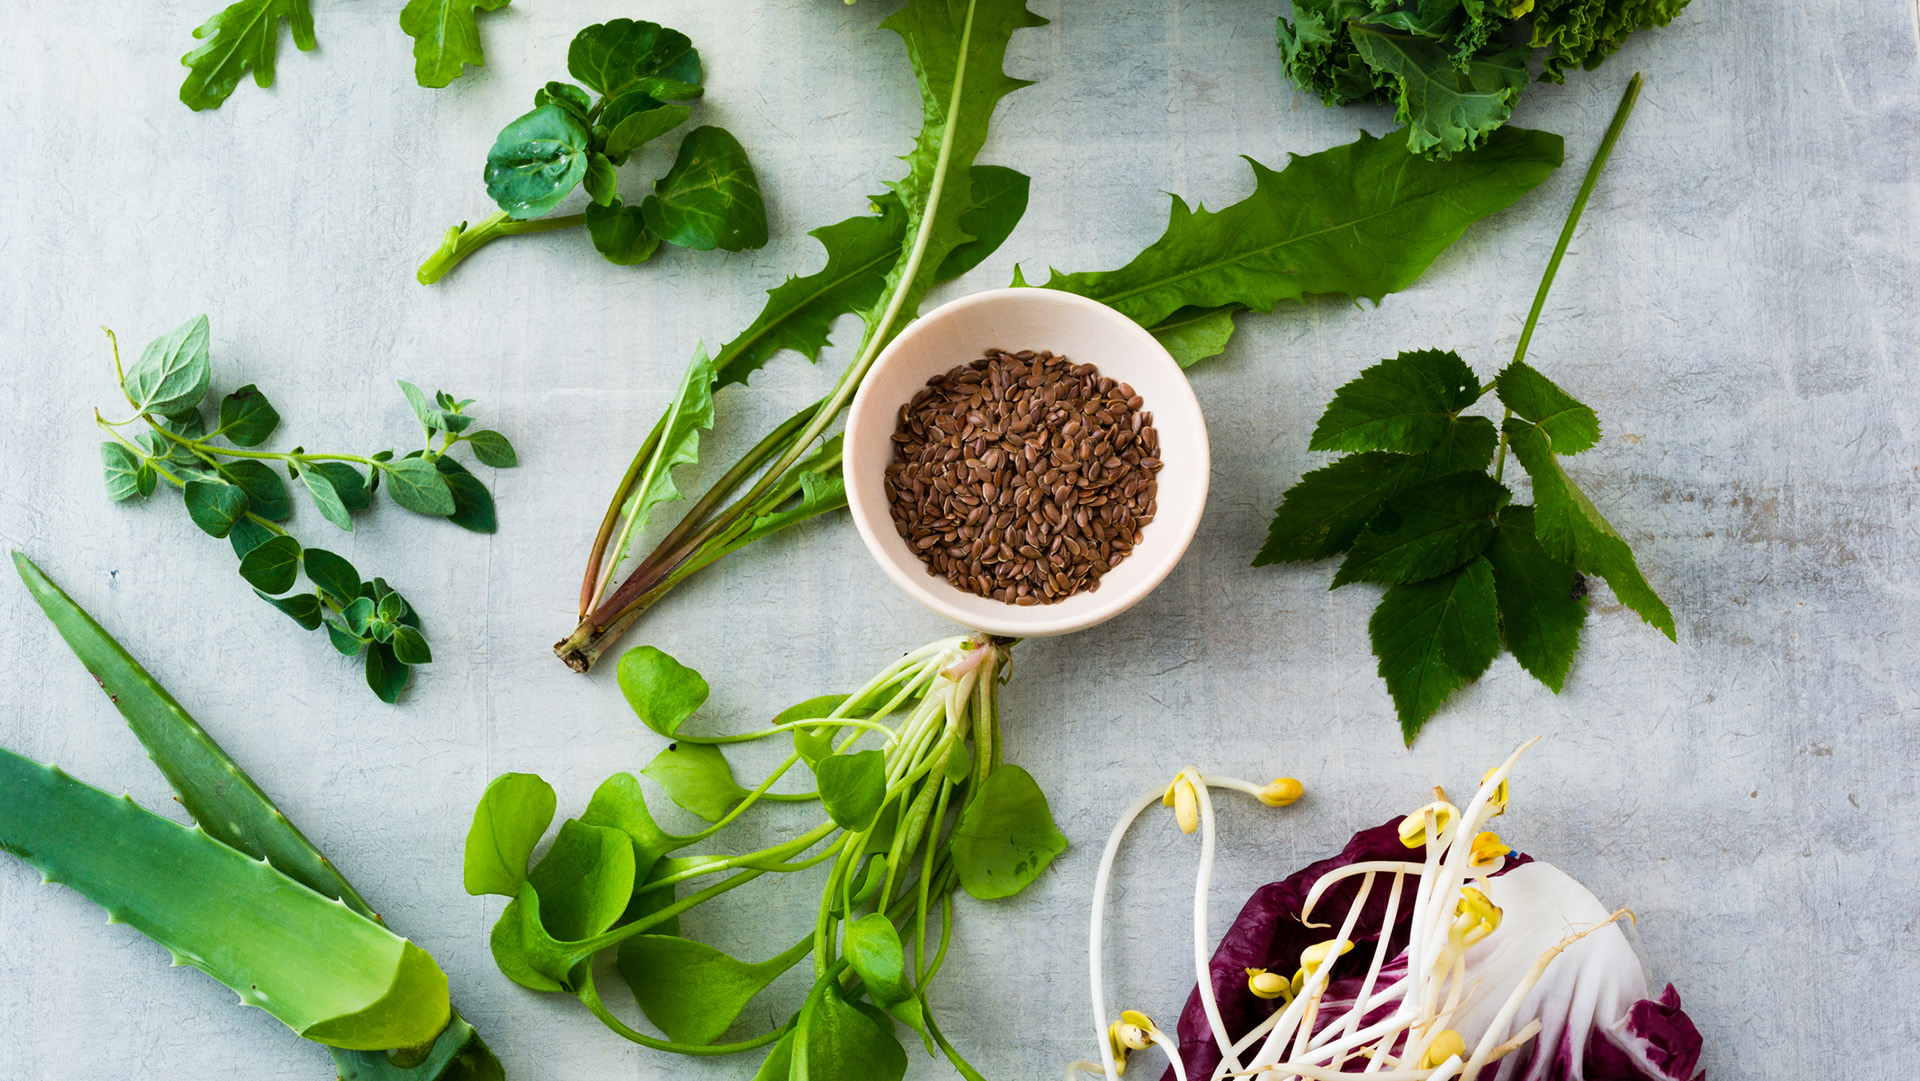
(620, 804)
(1445, 106)
(246, 535)
(346, 642)
(385, 674)
(852, 787)
(1360, 220)
(697, 777)
(214, 505)
(662, 691)
(1433, 637)
(266, 492)
(636, 128)
(1005, 836)
(619, 234)
(584, 881)
(122, 469)
(349, 484)
(872, 947)
(1426, 531)
(999, 199)
(710, 198)
(1572, 530)
(242, 36)
(247, 418)
(492, 449)
(1320, 516)
(302, 608)
(1402, 404)
(567, 96)
(273, 566)
(835, 1041)
(1570, 426)
(446, 37)
(536, 161)
(610, 56)
(1191, 335)
(692, 991)
(601, 179)
(814, 745)
(326, 498)
(333, 574)
(173, 371)
(509, 945)
(417, 485)
(431, 418)
(662, 88)
(1542, 605)
(690, 414)
(818, 706)
(512, 816)
(472, 503)
(360, 614)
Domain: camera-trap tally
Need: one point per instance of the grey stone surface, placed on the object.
(1740, 307)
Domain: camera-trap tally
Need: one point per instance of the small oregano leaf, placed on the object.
(333, 574)
(247, 418)
(272, 567)
(302, 608)
(417, 485)
(122, 469)
(173, 371)
(492, 449)
(215, 505)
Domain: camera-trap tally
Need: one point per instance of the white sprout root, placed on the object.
(1310, 1037)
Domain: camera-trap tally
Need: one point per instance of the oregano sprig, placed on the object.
(231, 490)
(1418, 505)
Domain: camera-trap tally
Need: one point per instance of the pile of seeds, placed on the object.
(1023, 476)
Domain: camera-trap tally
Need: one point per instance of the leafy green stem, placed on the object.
(463, 240)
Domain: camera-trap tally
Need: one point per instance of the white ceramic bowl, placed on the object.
(1086, 332)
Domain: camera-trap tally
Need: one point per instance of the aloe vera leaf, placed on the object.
(215, 791)
(458, 1055)
(320, 968)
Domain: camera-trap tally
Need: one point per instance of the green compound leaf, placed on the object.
(417, 485)
(1426, 531)
(852, 787)
(620, 234)
(247, 418)
(245, 35)
(266, 492)
(215, 505)
(1444, 109)
(710, 198)
(1569, 425)
(1542, 602)
(1434, 637)
(333, 574)
(272, 567)
(472, 503)
(492, 449)
(1320, 516)
(173, 371)
(302, 608)
(122, 471)
(446, 37)
(662, 691)
(1572, 530)
(696, 776)
(536, 161)
(513, 815)
(691, 990)
(1405, 404)
(1005, 836)
(611, 56)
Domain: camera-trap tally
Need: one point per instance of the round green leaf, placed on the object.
(710, 198)
(836, 1040)
(215, 505)
(661, 690)
(1005, 836)
(873, 948)
(620, 234)
(601, 180)
(691, 990)
(272, 567)
(266, 492)
(537, 160)
(173, 371)
(697, 777)
(636, 127)
(359, 615)
(611, 56)
(852, 787)
(410, 646)
(247, 418)
(416, 485)
(513, 814)
(585, 881)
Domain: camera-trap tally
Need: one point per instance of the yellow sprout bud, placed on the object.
(1500, 793)
(1413, 828)
(1130, 1033)
(1282, 792)
(1184, 801)
(1317, 954)
(1446, 1044)
(1266, 984)
(1476, 916)
(1488, 852)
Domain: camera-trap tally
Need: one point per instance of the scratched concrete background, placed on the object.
(1740, 307)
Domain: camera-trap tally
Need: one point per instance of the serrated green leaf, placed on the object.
(122, 470)
(1573, 530)
(326, 499)
(1426, 530)
(215, 505)
(1360, 220)
(492, 449)
(266, 492)
(1434, 637)
(472, 503)
(247, 418)
(999, 196)
(1444, 107)
(446, 37)
(696, 776)
(1320, 516)
(173, 371)
(1403, 404)
(1570, 426)
(417, 485)
(620, 234)
(710, 198)
(536, 161)
(611, 56)
(1192, 335)
(1542, 604)
(244, 36)
(272, 567)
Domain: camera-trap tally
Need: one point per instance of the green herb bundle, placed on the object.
(925, 806)
(230, 489)
(1452, 69)
(638, 78)
(1418, 505)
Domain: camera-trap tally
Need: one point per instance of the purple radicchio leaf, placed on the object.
(1656, 1041)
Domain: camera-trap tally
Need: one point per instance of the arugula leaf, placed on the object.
(1445, 109)
(446, 37)
(620, 234)
(1405, 404)
(1433, 638)
(1542, 604)
(1570, 426)
(1360, 220)
(1426, 531)
(244, 35)
(537, 161)
(710, 198)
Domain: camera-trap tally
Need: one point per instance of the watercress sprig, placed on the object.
(1418, 506)
(638, 78)
(230, 490)
(930, 809)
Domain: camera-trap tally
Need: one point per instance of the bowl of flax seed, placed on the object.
(1026, 462)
